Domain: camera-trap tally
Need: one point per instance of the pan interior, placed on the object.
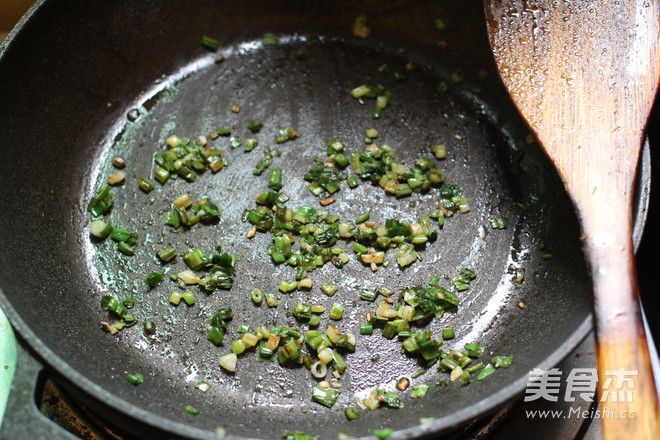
(64, 128)
(311, 94)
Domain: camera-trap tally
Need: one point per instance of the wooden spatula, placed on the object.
(584, 75)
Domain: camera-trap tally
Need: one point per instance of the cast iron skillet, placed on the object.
(74, 70)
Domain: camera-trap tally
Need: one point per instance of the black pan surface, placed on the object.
(76, 69)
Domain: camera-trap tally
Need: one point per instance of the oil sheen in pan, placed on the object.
(312, 95)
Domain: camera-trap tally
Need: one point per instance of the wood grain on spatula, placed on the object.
(584, 74)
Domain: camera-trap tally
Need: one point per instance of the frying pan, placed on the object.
(75, 69)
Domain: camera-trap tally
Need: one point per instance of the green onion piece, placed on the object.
(166, 254)
(119, 234)
(296, 435)
(243, 328)
(336, 312)
(368, 295)
(225, 130)
(352, 182)
(360, 91)
(341, 160)
(465, 378)
(101, 202)
(129, 320)
(210, 43)
(113, 306)
(125, 248)
(363, 218)
(129, 302)
(270, 39)
(135, 379)
(499, 223)
(161, 175)
(314, 320)
(502, 361)
(234, 142)
(257, 296)
(188, 297)
(153, 279)
(195, 259)
(271, 299)
(191, 410)
(475, 367)
(275, 179)
(175, 298)
(145, 184)
(433, 282)
(255, 125)
(366, 328)
(474, 349)
(418, 373)
(329, 288)
(287, 287)
(382, 433)
(173, 219)
(149, 327)
(250, 144)
(448, 333)
(487, 371)
(118, 162)
(262, 165)
(238, 346)
(325, 396)
(203, 386)
(419, 390)
(351, 413)
(100, 229)
(439, 151)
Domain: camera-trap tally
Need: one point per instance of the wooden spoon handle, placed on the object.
(626, 389)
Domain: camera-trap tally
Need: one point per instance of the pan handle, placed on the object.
(22, 419)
